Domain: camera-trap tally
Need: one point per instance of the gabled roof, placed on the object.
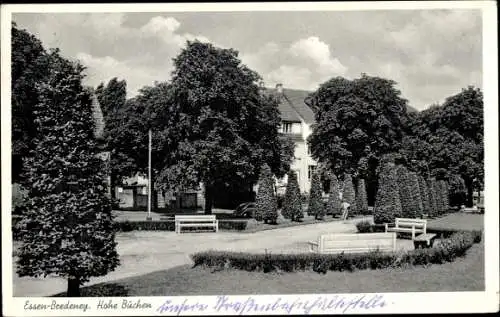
(296, 99)
(292, 106)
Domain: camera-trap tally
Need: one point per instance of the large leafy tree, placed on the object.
(450, 139)
(66, 226)
(29, 62)
(125, 130)
(357, 121)
(213, 124)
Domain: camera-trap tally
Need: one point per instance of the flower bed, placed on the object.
(447, 251)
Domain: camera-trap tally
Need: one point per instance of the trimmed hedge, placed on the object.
(447, 251)
(168, 225)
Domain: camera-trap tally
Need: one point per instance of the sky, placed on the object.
(431, 54)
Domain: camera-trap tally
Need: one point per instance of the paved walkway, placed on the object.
(142, 252)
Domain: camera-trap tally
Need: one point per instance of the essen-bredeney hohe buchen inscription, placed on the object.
(101, 305)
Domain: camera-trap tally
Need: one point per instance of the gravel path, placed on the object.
(143, 252)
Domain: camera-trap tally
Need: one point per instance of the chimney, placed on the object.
(279, 88)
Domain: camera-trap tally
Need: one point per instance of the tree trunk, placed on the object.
(73, 287)
(209, 196)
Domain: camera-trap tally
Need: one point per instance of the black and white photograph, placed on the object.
(219, 159)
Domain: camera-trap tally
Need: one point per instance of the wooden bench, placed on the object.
(408, 225)
(196, 221)
(425, 240)
(354, 243)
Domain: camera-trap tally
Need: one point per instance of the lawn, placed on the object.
(465, 274)
(457, 221)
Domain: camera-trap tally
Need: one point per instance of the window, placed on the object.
(310, 171)
(287, 127)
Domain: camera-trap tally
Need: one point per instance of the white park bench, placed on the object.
(354, 242)
(196, 221)
(408, 225)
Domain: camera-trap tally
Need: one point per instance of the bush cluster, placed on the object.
(364, 227)
(447, 251)
(167, 225)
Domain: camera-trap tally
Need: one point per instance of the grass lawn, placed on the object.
(465, 274)
(255, 226)
(457, 221)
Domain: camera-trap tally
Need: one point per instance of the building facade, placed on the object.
(296, 120)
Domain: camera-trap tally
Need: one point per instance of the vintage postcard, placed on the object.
(249, 158)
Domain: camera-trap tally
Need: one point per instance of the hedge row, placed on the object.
(236, 225)
(446, 251)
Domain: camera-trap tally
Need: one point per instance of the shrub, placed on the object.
(361, 198)
(348, 194)
(424, 194)
(417, 208)
(433, 201)
(266, 202)
(457, 191)
(443, 187)
(447, 251)
(405, 191)
(292, 204)
(333, 205)
(387, 203)
(315, 198)
(364, 226)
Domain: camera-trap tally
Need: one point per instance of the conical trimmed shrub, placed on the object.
(433, 199)
(387, 203)
(405, 190)
(424, 194)
(292, 204)
(315, 200)
(333, 206)
(417, 208)
(266, 202)
(349, 195)
(361, 198)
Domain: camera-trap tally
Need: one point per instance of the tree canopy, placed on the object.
(212, 123)
(66, 224)
(356, 120)
(29, 62)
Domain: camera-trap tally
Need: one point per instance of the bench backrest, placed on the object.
(357, 242)
(409, 222)
(192, 218)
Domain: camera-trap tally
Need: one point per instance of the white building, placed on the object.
(296, 121)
